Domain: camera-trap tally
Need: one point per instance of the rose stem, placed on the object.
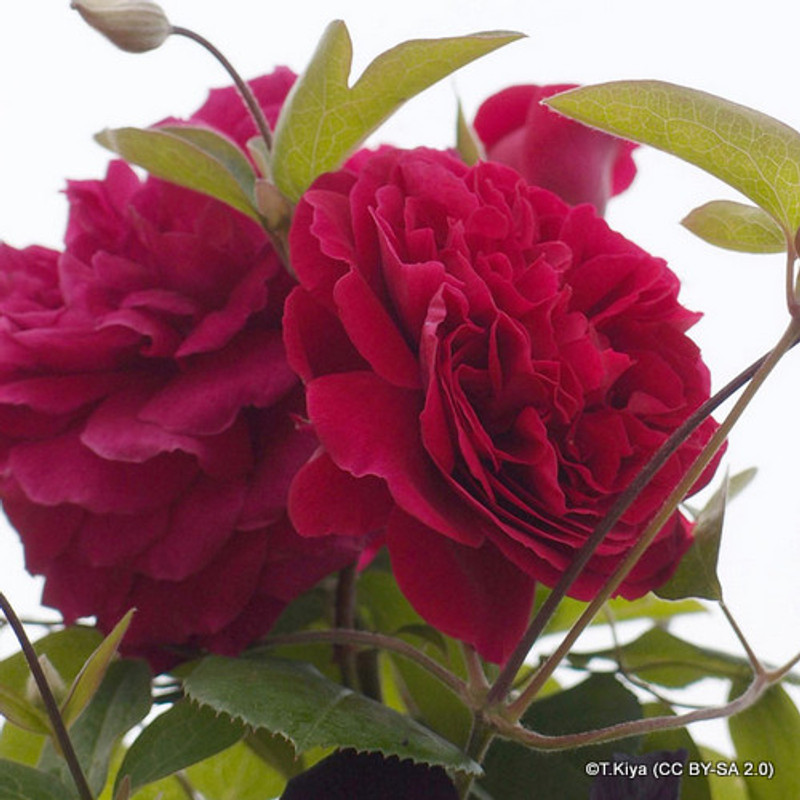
(50, 704)
(345, 619)
(544, 614)
(247, 95)
(786, 342)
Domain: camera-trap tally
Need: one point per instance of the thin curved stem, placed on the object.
(244, 90)
(379, 641)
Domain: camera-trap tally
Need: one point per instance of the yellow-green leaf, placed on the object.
(23, 713)
(91, 676)
(469, 146)
(324, 119)
(736, 226)
(751, 151)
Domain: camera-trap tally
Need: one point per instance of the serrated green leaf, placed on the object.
(23, 713)
(768, 733)
(235, 774)
(696, 575)
(276, 752)
(189, 158)
(517, 773)
(121, 702)
(469, 146)
(20, 782)
(324, 119)
(182, 736)
(90, 677)
(752, 152)
(736, 226)
(660, 657)
(296, 701)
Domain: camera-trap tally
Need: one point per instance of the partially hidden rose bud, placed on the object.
(135, 26)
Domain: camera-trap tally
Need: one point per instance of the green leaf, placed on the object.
(750, 151)
(296, 701)
(19, 745)
(468, 144)
(197, 159)
(235, 774)
(20, 782)
(723, 787)
(696, 575)
(324, 119)
(23, 713)
(517, 773)
(182, 736)
(768, 733)
(659, 657)
(121, 702)
(276, 752)
(736, 226)
(93, 671)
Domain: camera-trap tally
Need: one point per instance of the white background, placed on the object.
(60, 83)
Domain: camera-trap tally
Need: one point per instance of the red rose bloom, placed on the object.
(579, 164)
(147, 412)
(486, 368)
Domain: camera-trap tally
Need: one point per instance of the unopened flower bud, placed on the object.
(135, 26)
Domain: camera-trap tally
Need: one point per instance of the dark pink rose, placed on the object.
(579, 164)
(148, 415)
(487, 368)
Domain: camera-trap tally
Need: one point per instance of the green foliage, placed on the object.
(723, 787)
(468, 144)
(195, 158)
(659, 657)
(122, 701)
(768, 733)
(296, 701)
(736, 226)
(20, 782)
(752, 152)
(324, 119)
(514, 773)
(182, 736)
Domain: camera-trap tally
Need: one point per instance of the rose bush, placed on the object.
(487, 368)
(148, 414)
(579, 164)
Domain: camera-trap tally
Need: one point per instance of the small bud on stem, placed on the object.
(135, 26)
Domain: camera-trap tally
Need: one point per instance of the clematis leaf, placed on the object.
(196, 159)
(121, 702)
(696, 575)
(20, 782)
(752, 152)
(296, 701)
(324, 119)
(93, 671)
(736, 226)
(768, 733)
(724, 786)
(659, 657)
(469, 146)
(182, 736)
(517, 773)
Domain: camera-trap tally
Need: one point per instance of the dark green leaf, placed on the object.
(324, 119)
(275, 751)
(517, 773)
(20, 782)
(294, 700)
(736, 226)
(768, 733)
(752, 152)
(696, 575)
(235, 774)
(122, 701)
(183, 735)
(188, 159)
(659, 657)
